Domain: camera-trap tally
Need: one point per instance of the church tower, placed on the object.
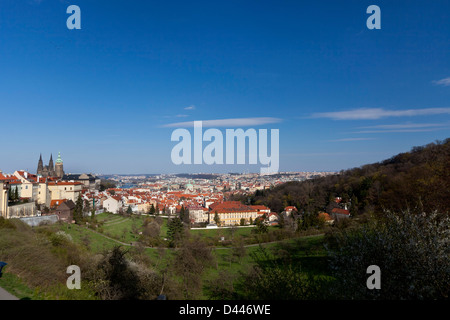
(40, 167)
(59, 170)
(51, 167)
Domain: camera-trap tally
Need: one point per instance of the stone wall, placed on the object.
(22, 210)
(35, 221)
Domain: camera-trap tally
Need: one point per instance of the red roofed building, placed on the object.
(261, 209)
(338, 213)
(231, 212)
(326, 217)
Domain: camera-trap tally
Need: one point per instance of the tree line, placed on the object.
(415, 180)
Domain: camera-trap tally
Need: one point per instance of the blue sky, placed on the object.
(107, 96)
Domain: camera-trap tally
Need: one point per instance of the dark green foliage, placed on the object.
(417, 179)
(118, 281)
(106, 184)
(78, 210)
(184, 215)
(191, 259)
(412, 251)
(175, 231)
(261, 226)
(273, 278)
(222, 287)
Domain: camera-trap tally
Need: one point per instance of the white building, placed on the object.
(112, 204)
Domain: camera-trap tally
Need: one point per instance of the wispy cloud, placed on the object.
(351, 139)
(406, 126)
(181, 115)
(191, 107)
(378, 113)
(236, 122)
(399, 130)
(443, 82)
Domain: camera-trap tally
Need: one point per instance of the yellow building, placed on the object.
(65, 190)
(3, 200)
(231, 212)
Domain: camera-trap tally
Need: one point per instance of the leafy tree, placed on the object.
(106, 184)
(222, 287)
(115, 279)
(411, 249)
(261, 227)
(238, 251)
(193, 257)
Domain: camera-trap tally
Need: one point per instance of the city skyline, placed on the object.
(109, 96)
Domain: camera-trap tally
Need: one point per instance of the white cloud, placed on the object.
(351, 139)
(406, 126)
(236, 122)
(378, 113)
(191, 107)
(399, 130)
(443, 82)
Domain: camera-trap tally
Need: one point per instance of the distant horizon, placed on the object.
(228, 172)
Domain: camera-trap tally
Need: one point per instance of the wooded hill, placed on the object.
(418, 180)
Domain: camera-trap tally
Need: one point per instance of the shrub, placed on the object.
(411, 250)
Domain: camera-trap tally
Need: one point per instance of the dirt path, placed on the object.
(5, 295)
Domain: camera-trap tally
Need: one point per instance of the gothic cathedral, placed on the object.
(51, 170)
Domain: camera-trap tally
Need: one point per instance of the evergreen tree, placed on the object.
(10, 195)
(216, 218)
(174, 231)
(78, 210)
(261, 227)
(184, 216)
(182, 212)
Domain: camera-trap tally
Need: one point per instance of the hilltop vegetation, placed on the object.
(416, 180)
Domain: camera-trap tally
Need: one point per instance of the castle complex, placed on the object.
(51, 170)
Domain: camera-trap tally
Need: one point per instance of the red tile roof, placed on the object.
(230, 206)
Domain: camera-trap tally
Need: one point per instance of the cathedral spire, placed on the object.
(40, 167)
